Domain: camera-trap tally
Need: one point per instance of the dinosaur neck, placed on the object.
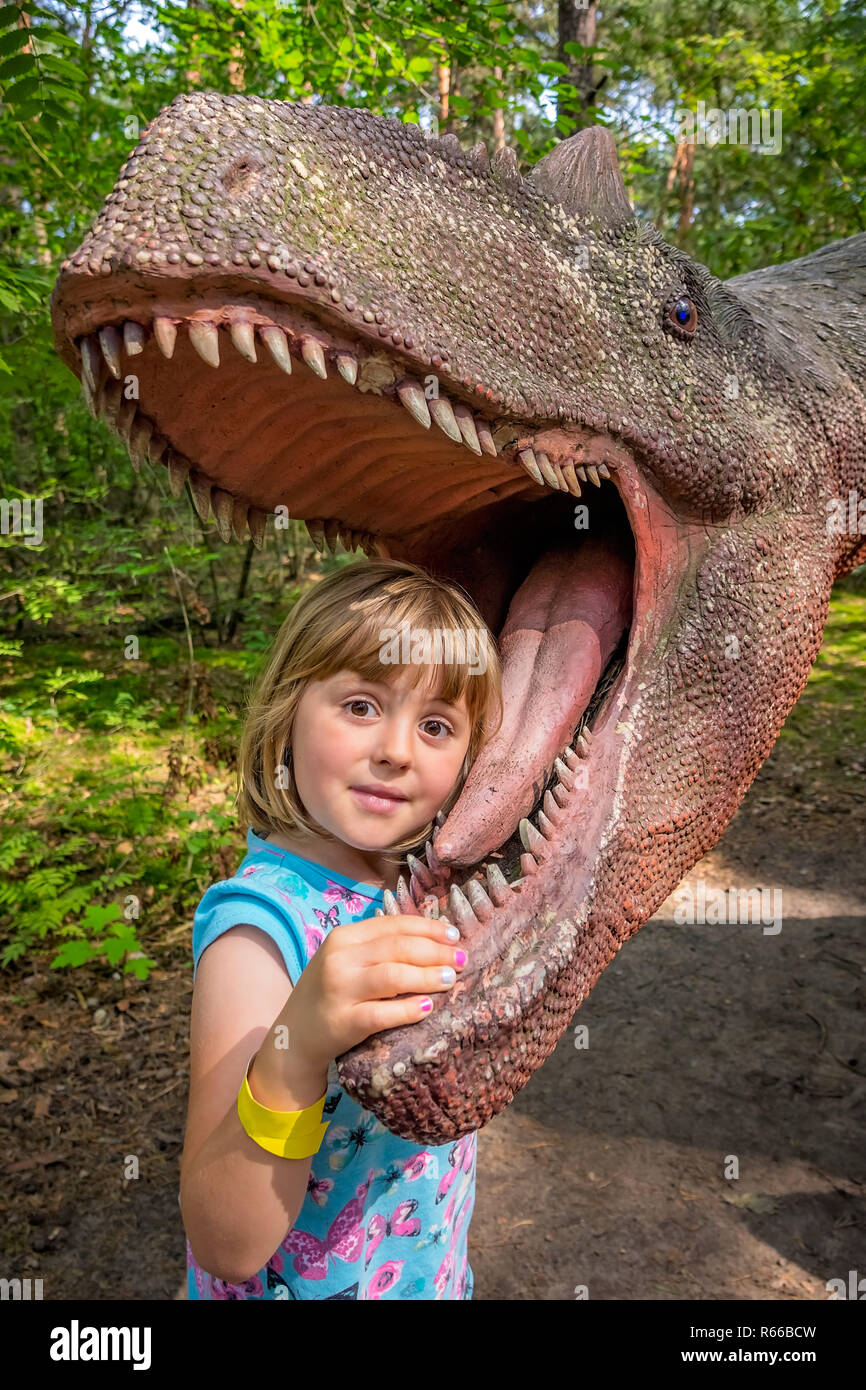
(813, 311)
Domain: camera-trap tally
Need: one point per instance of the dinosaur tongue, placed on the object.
(563, 625)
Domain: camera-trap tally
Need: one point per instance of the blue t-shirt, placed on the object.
(382, 1218)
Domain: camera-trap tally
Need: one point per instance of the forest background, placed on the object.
(118, 774)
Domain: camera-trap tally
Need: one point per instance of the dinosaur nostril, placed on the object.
(242, 174)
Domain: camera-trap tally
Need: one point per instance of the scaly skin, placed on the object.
(546, 308)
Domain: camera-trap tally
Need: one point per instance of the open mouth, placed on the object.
(258, 404)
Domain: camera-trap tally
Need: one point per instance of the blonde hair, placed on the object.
(337, 625)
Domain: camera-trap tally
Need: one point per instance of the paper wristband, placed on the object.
(286, 1133)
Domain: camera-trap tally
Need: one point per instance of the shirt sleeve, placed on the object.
(231, 904)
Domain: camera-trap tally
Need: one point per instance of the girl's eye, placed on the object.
(441, 724)
(350, 705)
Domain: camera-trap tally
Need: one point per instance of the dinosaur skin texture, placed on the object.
(285, 282)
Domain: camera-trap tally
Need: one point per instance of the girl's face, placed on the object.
(375, 760)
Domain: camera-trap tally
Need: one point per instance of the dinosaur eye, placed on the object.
(683, 316)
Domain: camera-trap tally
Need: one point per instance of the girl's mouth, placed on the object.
(380, 802)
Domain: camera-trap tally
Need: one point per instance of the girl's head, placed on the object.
(381, 676)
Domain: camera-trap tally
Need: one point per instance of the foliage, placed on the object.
(111, 790)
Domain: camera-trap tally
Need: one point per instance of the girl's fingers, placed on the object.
(383, 982)
(380, 1014)
(414, 950)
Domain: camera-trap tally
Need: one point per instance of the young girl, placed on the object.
(290, 1189)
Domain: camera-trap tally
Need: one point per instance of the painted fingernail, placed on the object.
(453, 934)
(426, 1005)
(460, 957)
(447, 975)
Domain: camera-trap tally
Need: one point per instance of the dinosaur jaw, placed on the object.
(261, 405)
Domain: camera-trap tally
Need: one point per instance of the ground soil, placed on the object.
(610, 1172)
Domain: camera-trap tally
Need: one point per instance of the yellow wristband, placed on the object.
(286, 1133)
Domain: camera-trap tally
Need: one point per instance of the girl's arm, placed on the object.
(238, 1201)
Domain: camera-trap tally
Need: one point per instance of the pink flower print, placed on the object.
(340, 893)
(314, 938)
(444, 1274)
(402, 1222)
(387, 1276)
(252, 869)
(420, 1165)
(344, 1241)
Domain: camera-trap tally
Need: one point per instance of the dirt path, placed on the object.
(608, 1169)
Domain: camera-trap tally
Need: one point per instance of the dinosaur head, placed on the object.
(519, 386)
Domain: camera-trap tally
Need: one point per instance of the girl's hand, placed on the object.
(366, 977)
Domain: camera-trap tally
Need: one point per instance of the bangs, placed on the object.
(425, 635)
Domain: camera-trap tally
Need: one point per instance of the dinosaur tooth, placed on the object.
(528, 865)
(257, 520)
(109, 341)
(604, 470)
(545, 825)
(527, 458)
(134, 338)
(551, 808)
(200, 489)
(381, 547)
(331, 533)
(547, 471)
(565, 773)
(108, 399)
(498, 886)
(412, 397)
(316, 532)
(91, 362)
(559, 793)
(156, 447)
(420, 870)
(582, 747)
(205, 339)
(478, 900)
(570, 477)
(404, 898)
(460, 908)
(313, 355)
(178, 472)
(593, 474)
(532, 839)
(392, 908)
(240, 528)
(347, 366)
(571, 758)
(89, 397)
(485, 438)
(125, 419)
(440, 409)
(466, 424)
(223, 506)
(139, 438)
(165, 332)
(440, 818)
(432, 857)
(581, 473)
(243, 338)
(275, 341)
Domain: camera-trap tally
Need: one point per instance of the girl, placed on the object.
(289, 1189)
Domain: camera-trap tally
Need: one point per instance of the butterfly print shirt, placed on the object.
(382, 1217)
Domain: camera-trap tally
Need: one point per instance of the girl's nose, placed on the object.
(394, 744)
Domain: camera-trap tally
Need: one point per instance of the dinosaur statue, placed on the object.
(631, 466)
